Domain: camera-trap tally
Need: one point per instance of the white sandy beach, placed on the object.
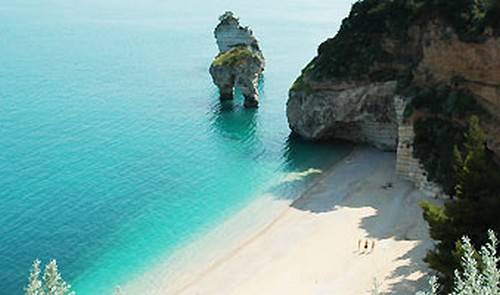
(311, 245)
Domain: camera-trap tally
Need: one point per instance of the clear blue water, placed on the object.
(114, 148)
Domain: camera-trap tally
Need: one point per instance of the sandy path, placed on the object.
(311, 247)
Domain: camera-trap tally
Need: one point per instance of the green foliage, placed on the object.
(445, 101)
(476, 209)
(357, 45)
(34, 286)
(234, 56)
(438, 135)
(473, 165)
(301, 85)
(434, 287)
(433, 145)
(480, 274)
(51, 283)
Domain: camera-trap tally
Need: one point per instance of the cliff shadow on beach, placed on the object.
(366, 179)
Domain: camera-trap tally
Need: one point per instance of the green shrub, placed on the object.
(233, 56)
(445, 101)
(357, 45)
(476, 208)
(433, 145)
(301, 85)
(441, 130)
(479, 273)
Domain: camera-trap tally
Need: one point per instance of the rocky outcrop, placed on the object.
(359, 107)
(472, 66)
(356, 112)
(240, 62)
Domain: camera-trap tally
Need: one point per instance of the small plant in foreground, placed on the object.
(480, 274)
(51, 282)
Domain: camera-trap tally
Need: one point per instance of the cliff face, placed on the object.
(471, 66)
(240, 61)
(347, 91)
(361, 112)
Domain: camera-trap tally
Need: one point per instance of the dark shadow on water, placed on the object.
(304, 162)
(300, 154)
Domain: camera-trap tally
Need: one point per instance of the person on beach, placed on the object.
(366, 246)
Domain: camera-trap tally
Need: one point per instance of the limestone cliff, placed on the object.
(240, 61)
(360, 112)
(389, 48)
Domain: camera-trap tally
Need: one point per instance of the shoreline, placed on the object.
(250, 251)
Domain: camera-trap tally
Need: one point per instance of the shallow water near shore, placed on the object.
(115, 150)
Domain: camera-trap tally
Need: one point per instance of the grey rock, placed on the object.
(358, 113)
(229, 33)
(240, 62)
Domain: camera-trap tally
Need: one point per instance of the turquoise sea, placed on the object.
(114, 148)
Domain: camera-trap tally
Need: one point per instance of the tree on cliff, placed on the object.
(475, 210)
(51, 282)
(480, 275)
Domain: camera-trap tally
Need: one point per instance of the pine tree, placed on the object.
(52, 283)
(473, 166)
(479, 276)
(475, 209)
(34, 286)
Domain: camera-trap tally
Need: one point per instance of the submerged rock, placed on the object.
(240, 61)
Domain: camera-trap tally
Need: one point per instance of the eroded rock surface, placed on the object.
(240, 62)
(431, 53)
(356, 112)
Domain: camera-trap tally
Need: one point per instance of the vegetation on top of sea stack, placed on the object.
(358, 44)
(234, 56)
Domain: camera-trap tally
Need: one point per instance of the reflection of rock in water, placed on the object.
(234, 123)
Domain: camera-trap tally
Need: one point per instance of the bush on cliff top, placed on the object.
(357, 45)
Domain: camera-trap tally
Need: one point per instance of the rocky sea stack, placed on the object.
(240, 62)
(430, 59)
